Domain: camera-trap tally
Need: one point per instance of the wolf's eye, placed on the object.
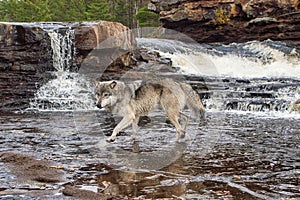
(105, 94)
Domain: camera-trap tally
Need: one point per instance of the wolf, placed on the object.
(132, 100)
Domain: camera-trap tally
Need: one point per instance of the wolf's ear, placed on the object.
(97, 83)
(113, 84)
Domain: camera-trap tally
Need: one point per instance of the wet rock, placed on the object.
(228, 21)
(102, 35)
(17, 87)
(104, 31)
(24, 58)
(262, 20)
(85, 194)
(134, 64)
(29, 168)
(123, 63)
(24, 48)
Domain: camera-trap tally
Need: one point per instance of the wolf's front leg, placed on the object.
(134, 128)
(125, 122)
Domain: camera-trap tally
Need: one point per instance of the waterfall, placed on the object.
(69, 90)
(63, 49)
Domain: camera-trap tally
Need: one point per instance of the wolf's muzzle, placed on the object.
(98, 105)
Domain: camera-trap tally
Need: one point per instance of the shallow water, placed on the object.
(234, 155)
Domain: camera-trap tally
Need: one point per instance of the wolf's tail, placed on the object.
(193, 101)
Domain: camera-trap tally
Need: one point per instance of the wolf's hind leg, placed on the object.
(170, 104)
(175, 122)
(185, 118)
(173, 115)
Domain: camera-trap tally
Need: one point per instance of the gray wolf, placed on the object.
(136, 99)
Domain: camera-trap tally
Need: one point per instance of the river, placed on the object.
(247, 148)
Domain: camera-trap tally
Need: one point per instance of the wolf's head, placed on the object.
(108, 93)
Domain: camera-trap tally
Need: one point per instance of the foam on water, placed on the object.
(232, 65)
(249, 60)
(69, 91)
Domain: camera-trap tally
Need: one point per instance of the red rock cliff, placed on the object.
(231, 20)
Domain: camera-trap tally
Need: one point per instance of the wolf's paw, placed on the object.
(110, 139)
(179, 138)
(187, 137)
(183, 137)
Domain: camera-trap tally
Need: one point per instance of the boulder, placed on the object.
(24, 47)
(24, 56)
(229, 21)
(102, 35)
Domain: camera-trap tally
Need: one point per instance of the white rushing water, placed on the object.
(63, 49)
(249, 60)
(69, 90)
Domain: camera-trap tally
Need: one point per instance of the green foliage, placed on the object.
(7, 8)
(147, 18)
(121, 12)
(33, 10)
(98, 10)
(15, 10)
(70, 10)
